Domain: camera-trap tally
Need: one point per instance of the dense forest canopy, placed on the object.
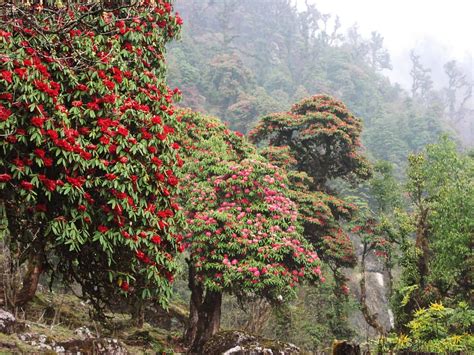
(263, 56)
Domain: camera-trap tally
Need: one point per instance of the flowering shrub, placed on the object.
(244, 233)
(435, 329)
(88, 150)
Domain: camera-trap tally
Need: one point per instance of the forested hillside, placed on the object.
(242, 59)
(237, 176)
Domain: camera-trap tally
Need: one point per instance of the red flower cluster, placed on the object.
(92, 146)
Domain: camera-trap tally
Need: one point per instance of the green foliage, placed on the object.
(312, 320)
(440, 185)
(384, 188)
(436, 329)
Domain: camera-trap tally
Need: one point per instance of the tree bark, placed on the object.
(421, 243)
(194, 304)
(209, 321)
(204, 314)
(31, 278)
(34, 252)
(138, 313)
(260, 311)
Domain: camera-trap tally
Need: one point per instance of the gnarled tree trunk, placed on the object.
(204, 314)
(31, 278)
(34, 252)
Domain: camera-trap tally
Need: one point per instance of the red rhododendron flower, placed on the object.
(5, 177)
(122, 131)
(6, 75)
(52, 134)
(78, 182)
(125, 286)
(102, 229)
(104, 140)
(81, 87)
(86, 155)
(156, 239)
(4, 113)
(38, 121)
(48, 162)
(109, 84)
(156, 120)
(26, 185)
(21, 72)
(93, 106)
(156, 161)
(6, 96)
(41, 208)
(173, 180)
(40, 153)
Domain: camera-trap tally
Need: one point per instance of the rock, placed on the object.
(84, 333)
(88, 344)
(239, 342)
(345, 347)
(94, 346)
(7, 322)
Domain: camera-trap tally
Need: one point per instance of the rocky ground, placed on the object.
(55, 323)
(60, 324)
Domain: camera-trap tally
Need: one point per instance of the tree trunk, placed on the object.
(194, 304)
(422, 244)
(260, 312)
(209, 321)
(371, 319)
(31, 278)
(34, 252)
(204, 314)
(138, 313)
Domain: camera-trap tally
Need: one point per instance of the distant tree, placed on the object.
(322, 135)
(379, 58)
(359, 46)
(458, 92)
(421, 78)
(384, 188)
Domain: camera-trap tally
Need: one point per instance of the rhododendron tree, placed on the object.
(244, 237)
(88, 153)
(318, 141)
(323, 136)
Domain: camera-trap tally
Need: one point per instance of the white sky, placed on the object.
(406, 24)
